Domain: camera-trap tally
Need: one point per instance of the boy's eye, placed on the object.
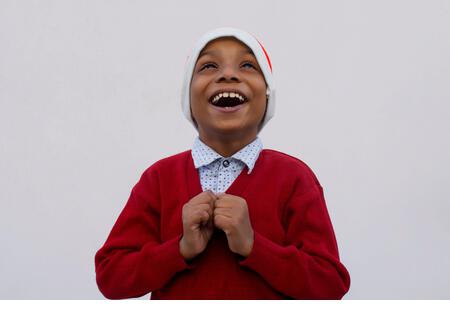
(249, 64)
(207, 66)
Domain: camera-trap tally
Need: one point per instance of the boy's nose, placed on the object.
(228, 74)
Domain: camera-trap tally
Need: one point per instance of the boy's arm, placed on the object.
(133, 261)
(308, 267)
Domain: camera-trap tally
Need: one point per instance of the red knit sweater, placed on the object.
(294, 255)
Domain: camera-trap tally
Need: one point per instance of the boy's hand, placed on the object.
(197, 224)
(231, 215)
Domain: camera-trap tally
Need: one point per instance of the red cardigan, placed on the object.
(294, 255)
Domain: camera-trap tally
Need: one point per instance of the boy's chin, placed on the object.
(228, 130)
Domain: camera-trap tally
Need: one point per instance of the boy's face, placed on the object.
(227, 65)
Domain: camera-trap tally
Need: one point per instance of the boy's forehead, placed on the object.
(215, 45)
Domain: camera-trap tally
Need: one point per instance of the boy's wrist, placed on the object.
(248, 249)
(183, 250)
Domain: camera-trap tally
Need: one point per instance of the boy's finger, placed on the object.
(213, 195)
(204, 197)
(211, 198)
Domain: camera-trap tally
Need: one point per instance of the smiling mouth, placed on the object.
(228, 99)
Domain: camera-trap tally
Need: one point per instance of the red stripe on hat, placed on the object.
(267, 56)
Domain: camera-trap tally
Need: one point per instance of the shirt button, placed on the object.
(226, 163)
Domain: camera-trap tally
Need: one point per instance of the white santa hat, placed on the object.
(258, 50)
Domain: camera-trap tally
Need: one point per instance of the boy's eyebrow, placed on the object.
(214, 52)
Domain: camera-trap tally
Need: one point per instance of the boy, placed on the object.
(227, 219)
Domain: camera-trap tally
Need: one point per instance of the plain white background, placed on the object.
(90, 97)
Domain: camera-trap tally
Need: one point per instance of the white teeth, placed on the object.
(226, 95)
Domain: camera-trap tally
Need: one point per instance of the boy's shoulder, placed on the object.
(288, 163)
(174, 158)
(284, 158)
(172, 161)
(277, 161)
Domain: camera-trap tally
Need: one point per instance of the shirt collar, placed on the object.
(203, 155)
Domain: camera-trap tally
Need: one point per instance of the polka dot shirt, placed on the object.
(217, 173)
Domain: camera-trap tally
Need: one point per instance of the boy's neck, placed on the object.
(227, 146)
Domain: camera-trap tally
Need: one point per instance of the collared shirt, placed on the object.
(217, 173)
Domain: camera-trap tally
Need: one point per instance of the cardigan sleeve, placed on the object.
(308, 267)
(133, 261)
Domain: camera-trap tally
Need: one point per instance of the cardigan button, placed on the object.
(226, 163)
